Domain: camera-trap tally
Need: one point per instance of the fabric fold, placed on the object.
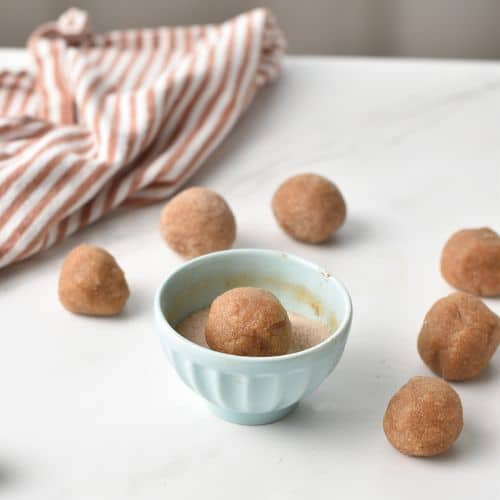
(119, 119)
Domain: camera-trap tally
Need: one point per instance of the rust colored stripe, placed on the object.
(38, 207)
(139, 40)
(30, 186)
(66, 101)
(30, 92)
(101, 99)
(188, 42)
(147, 161)
(35, 247)
(206, 112)
(95, 83)
(72, 200)
(226, 113)
(115, 113)
(133, 105)
(32, 137)
(21, 169)
(84, 215)
(61, 229)
(141, 201)
(143, 160)
(10, 92)
(41, 88)
(151, 102)
(156, 38)
(133, 127)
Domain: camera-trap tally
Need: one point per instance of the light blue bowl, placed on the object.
(252, 390)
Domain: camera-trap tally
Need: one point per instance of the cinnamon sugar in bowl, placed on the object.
(252, 390)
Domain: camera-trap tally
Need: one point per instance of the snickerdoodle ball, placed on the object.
(91, 282)
(197, 221)
(309, 208)
(248, 322)
(459, 336)
(471, 261)
(424, 418)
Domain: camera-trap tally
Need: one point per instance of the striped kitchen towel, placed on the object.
(118, 119)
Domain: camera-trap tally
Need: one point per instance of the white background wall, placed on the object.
(417, 28)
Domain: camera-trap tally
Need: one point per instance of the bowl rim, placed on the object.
(341, 327)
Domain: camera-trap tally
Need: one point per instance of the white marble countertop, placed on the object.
(90, 409)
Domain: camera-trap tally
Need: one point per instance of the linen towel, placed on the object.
(122, 118)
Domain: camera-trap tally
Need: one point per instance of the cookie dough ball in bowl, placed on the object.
(91, 282)
(197, 221)
(309, 208)
(470, 261)
(248, 321)
(424, 418)
(459, 336)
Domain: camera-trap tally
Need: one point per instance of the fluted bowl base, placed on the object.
(237, 417)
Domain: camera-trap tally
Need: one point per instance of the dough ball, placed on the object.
(459, 336)
(424, 418)
(309, 208)
(91, 282)
(248, 322)
(197, 221)
(471, 261)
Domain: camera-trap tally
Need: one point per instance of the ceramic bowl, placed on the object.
(242, 389)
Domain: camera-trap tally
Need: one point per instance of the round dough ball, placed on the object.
(309, 208)
(459, 336)
(424, 418)
(197, 221)
(248, 322)
(471, 261)
(91, 282)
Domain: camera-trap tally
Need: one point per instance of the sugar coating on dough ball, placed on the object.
(424, 418)
(197, 221)
(248, 321)
(91, 282)
(309, 208)
(459, 336)
(470, 261)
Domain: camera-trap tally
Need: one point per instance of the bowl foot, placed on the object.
(251, 418)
